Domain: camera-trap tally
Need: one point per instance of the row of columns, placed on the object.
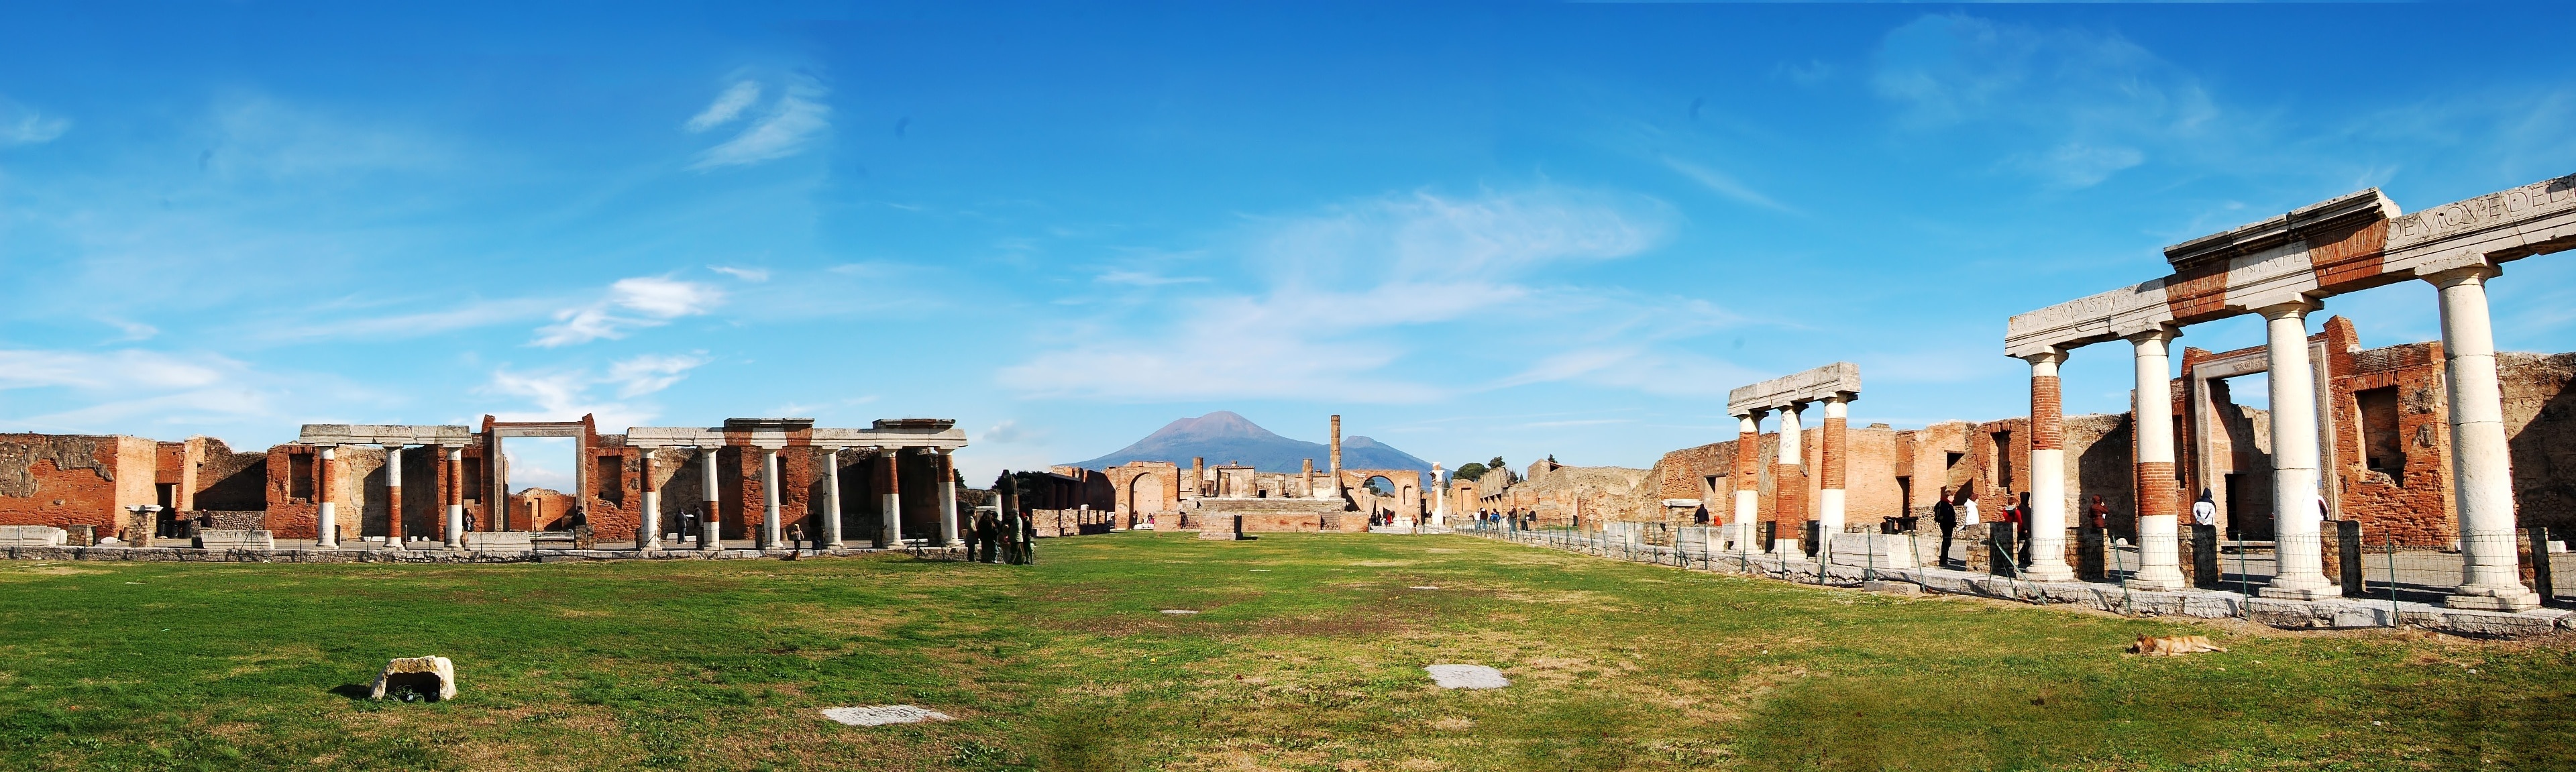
(2481, 479)
(649, 531)
(1788, 475)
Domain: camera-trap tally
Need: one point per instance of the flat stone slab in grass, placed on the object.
(1178, 611)
(1467, 677)
(881, 715)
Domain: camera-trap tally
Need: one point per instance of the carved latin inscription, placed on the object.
(2483, 212)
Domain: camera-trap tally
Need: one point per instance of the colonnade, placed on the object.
(2282, 268)
(1834, 387)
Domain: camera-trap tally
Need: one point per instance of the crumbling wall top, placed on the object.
(1841, 378)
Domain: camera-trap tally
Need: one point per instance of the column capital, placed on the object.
(1752, 415)
(2052, 355)
(2157, 334)
(2291, 308)
(2464, 275)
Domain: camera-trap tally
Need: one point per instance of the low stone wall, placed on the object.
(2332, 613)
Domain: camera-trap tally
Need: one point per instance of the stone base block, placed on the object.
(2522, 602)
(1892, 588)
(1218, 536)
(2301, 593)
(432, 678)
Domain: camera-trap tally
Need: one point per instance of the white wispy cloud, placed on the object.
(745, 274)
(560, 393)
(1724, 185)
(786, 129)
(2086, 105)
(122, 391)
(652, 300)
(1339, 298)
(23, 125)
(728, 106)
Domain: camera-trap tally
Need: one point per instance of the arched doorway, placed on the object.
(1144, 495)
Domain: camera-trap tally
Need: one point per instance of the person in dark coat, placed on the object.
(2099, 513)
(1945, 516)
(988, 530)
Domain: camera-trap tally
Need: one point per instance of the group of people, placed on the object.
(1008, 537)
(1950, 512)
(1515, 519)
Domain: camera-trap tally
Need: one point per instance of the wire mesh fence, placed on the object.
(2341, 559)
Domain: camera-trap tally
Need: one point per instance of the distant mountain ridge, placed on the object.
(1223, 437)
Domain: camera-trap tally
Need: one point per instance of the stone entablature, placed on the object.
(1814, 385)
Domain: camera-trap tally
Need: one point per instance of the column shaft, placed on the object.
(2047, 513)
(2481, 470)
(891, 530)
(1748, 481)
(832, 499)
(452, 472)
(1829, 498)
(769, 498)
(2295, 518)
(393, 496)
(648, 523)
(326, 522)
(2159, 529)
(1789, 484)
(948, 500)
(711, 523)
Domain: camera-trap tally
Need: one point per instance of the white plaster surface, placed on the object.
(881, 715)
(1467, 677)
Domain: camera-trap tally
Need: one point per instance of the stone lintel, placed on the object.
(384, 434)
(2283, 230)
(1841, 378)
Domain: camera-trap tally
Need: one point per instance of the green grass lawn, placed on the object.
(1307, 654)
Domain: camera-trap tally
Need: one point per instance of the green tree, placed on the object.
(1469, 471)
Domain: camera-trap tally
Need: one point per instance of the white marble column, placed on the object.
(948, 500)
(326, 522)
(1791, 494)
(2047, 472)
(832, 499)
(891, 530)
(1439, 496)
(2481, 469)
(769, 498)
(393, 496)
(455, 536)
(648, 523)
(2159, 527)
(1748, 481)
(2295, 520)
(711, 525)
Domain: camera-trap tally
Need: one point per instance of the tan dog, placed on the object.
(2172, 645)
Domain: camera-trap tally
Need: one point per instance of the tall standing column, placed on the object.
(1439, 496)
(648, 524)
(454, 475)
(1829, 499)
(2047, 471)
(393, 496)
(1748, 481)
(1335, 491)
(891, 532)
(2159, 527)
(326, 523)
(832, 499)
(1789, 484)
(711, 525)
(769, 498)
(948, 500)
(2295, 519)
(2481, 471)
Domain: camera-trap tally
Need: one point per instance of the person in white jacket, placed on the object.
(1967, 506)
(2204, 511)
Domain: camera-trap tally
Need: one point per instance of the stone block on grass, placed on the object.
(430, 678)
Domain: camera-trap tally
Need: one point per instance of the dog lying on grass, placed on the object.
(2172, 645)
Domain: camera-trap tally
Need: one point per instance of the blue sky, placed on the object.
(1473, 230)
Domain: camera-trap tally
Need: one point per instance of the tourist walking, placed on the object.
(1029, 541)
(987, 529)
(796, 535)
(1968, 505)
(1945, 516)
